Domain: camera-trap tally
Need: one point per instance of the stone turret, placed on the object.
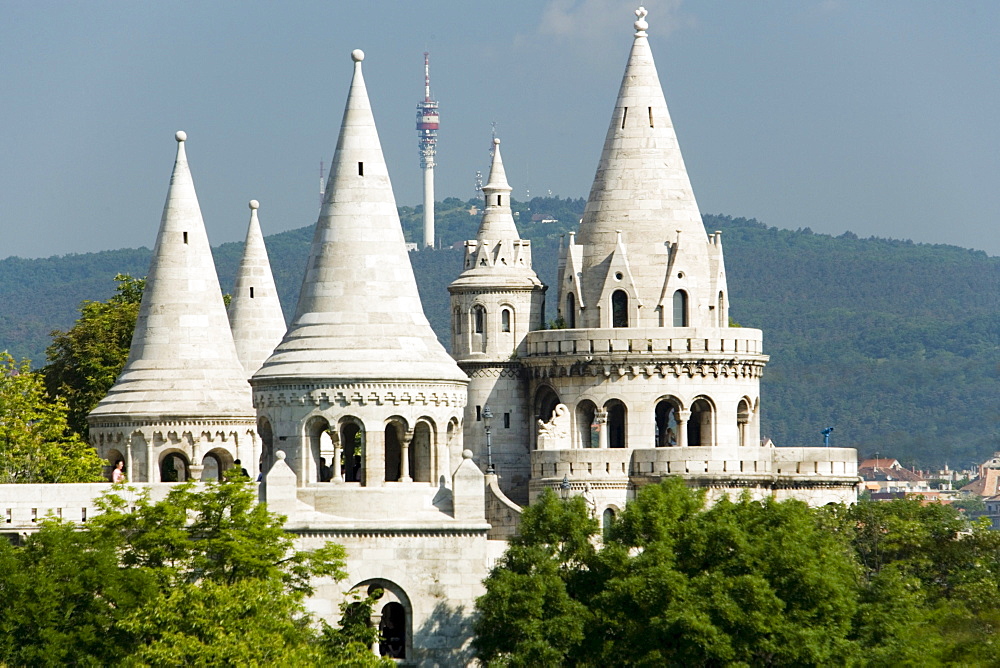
(182, 403)
(642, 258)
(495, 302)
(360, 361)
(255, 312)
(647, 360)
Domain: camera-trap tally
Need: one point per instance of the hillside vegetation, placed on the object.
(895, 344)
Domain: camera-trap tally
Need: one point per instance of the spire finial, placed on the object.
(640, 24)
(181, 136)
(496, 141)
(357, 55)
(254, 205)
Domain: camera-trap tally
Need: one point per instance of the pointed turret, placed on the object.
(497, 222)
(359, 313)
(641, 206)
(183, 389)
(182, 360)
(255, 312)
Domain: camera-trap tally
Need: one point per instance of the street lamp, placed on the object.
(564, 487)
(826, 436)
(487, 417)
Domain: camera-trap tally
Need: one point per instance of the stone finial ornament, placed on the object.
(640, 24)
(180, 135)
(254, 205)
(357, 55)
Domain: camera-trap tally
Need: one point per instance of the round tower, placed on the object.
(181, 408)
(495, 302)
(360, 364)
(648, 360)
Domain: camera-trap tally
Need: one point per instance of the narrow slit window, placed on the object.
(185, 237)
(506, 420)
(251, 292)
(624, 116)
(361, 169)
(479, 413)
(650, 117)
(499, 200)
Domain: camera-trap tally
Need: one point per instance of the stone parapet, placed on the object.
(727, 341)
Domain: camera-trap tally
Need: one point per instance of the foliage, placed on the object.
(203, 577)
(85, 360)
(750, 583)
(36, 445)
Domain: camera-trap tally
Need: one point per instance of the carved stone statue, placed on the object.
(554, 434)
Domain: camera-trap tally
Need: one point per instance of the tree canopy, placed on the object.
(204, 577)
(36, 443)
(746, 583)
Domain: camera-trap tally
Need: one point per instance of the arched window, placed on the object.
(619, 309)
(742, 418)
(586, 413)
(393, 453)
(478, 318)
(458, 322)
(505, 320)
(616, 423)
(680, 309)
(174, 468)
(392, 631)
(700, 423)
(607, 519)
(666, 423)
(351, 451)
(570, 311)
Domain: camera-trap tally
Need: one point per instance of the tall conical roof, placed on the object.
(255, 311)
(359, 314)
(497, 222)
(641, 186)
(182, 362)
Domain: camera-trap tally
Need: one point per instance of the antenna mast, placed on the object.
(428, 123)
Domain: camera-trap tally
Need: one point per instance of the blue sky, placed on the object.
(875, 117)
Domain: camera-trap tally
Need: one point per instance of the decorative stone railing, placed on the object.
(647, 340)
(580, 464)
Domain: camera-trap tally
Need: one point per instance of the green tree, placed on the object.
(84, 362)
(36, 444)
(673, 583)
(204, 577)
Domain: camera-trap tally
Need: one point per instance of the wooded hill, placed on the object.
(895, 344)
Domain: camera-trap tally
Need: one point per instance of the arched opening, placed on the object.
(607, 520)
(392, 631)
(216, 463)
(680, 309)
(588, 434)
(420, 453)
(617, 417)
(743, 420)
(115, 456)
(266, 446)
(666, 423)
(478, 319)
(619, 308)
(700, 423)
(505, 319)
(174, 467)
(546, 401)
(570, 311)
(351, 454)
(393, 451)
(316, 436)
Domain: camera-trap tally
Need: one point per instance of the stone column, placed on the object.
(373, 459)
(151, 461)
(338, 476)
(601, 420)
(682, 428)
(741, 424)
(128, 457)
(404, 449)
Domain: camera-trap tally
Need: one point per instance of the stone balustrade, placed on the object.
(646, 340)
(580, 464)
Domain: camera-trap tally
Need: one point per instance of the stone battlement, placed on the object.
(648, 340)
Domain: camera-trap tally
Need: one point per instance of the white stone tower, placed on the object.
(495, 302)
(255, 310)
(182, 405)
(648, 360)
(359, 360)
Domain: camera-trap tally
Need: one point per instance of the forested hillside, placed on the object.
(895, 344)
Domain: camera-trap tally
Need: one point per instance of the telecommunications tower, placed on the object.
(427, 134)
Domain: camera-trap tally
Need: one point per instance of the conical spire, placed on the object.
(182, 361)
(359, 314)
(497, 222)
(641, 186)
(255, 311)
